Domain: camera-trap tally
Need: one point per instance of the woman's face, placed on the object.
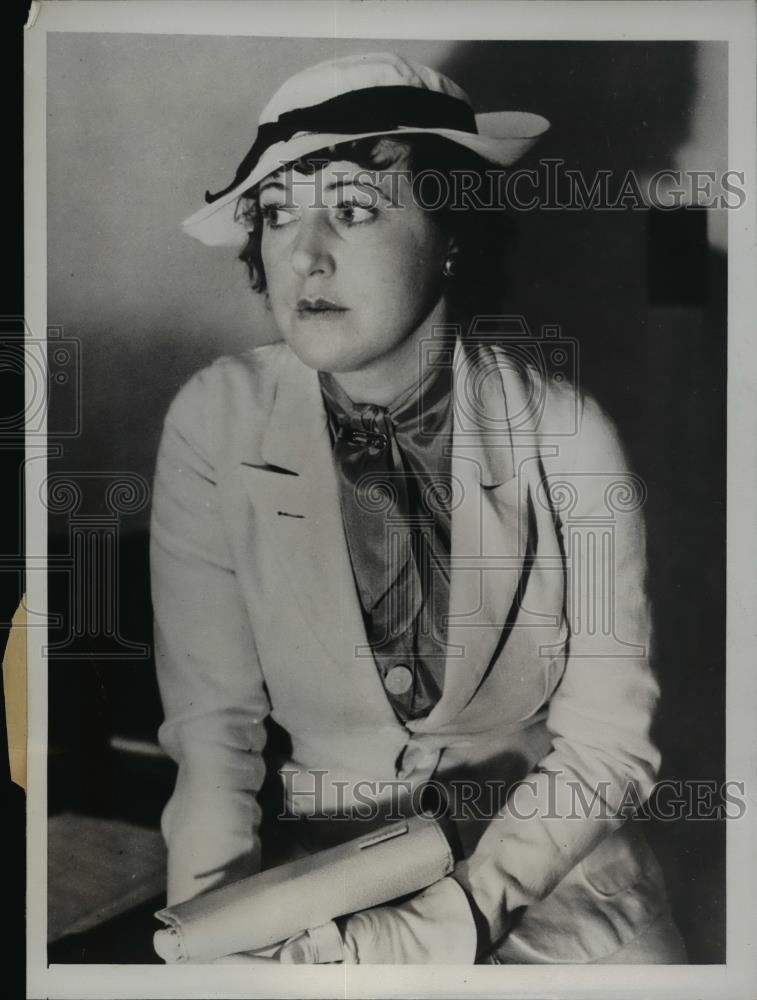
(353, 265)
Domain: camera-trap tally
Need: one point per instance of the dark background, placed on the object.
(140, 126)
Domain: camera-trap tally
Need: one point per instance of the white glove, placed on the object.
(435, 927)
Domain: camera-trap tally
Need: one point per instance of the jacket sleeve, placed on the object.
(212, 690)
(602, 757)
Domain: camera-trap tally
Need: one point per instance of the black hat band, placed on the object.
(372, 109)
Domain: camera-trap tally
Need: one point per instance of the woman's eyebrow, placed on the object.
(271, 185)
(358, 181)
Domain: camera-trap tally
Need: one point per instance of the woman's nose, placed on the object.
(310, 252)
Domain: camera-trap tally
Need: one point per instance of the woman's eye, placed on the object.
(353, 213)
(276, 216)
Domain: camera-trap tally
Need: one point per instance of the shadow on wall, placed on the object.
(651, 346)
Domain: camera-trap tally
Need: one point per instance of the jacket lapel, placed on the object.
(295, 495)
(489, 522)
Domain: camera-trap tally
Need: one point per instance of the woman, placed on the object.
(362, 531)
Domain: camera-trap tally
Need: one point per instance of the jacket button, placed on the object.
(399, 679)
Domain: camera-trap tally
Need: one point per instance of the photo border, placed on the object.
(731, 21)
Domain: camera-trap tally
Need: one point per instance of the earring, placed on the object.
(450, 265)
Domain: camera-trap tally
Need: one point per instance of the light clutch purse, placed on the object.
(272, 906)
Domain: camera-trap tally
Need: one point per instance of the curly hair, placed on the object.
(479, 226)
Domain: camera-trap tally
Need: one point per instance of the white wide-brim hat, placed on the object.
(358, 97)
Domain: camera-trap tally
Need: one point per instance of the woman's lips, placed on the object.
(319, 309)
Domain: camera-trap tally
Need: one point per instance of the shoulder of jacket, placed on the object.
(223, 408)
(554, 402)
(571, 430)
(231, 383)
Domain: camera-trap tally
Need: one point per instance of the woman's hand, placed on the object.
(435, 927)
